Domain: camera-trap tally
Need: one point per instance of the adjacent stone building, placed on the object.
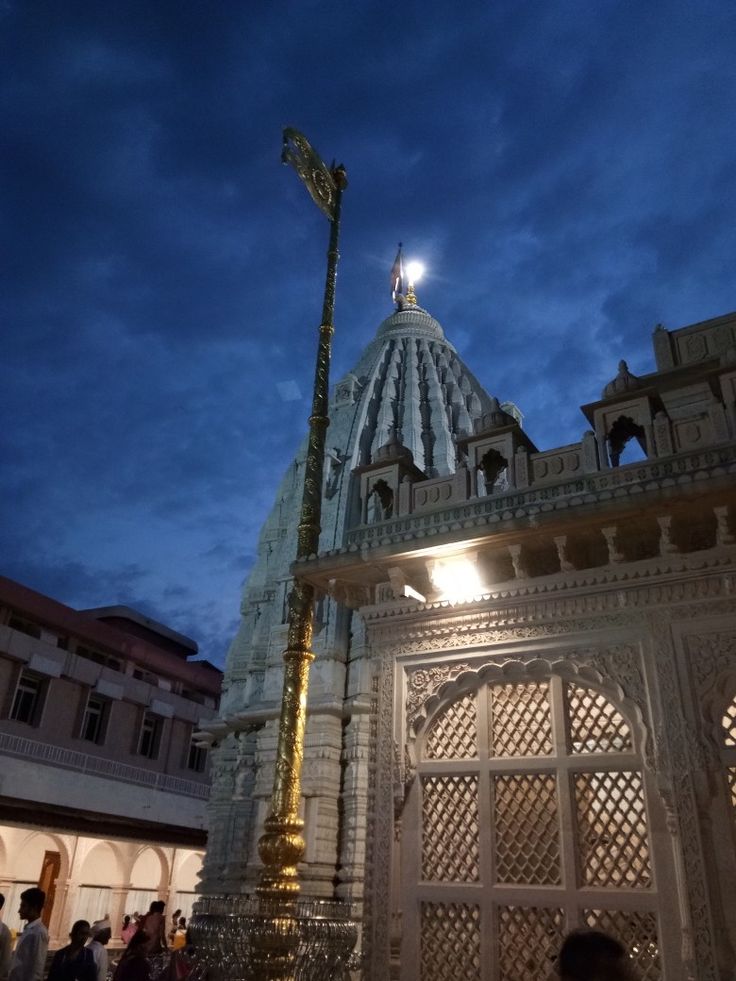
(523, 703)
(102, 790)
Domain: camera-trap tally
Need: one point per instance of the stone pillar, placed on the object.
(356, 759)
(65, 902)
(683, 777)
(521, 467)
(218, 812)
(321, 785)
(662, 434)
(662, 343)
(118, 900)
(589, 452)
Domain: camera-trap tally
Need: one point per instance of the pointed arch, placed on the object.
(518, 671)
(32, 848)
(150, 869)
(623, 430)
(101, 865)
(529, 791)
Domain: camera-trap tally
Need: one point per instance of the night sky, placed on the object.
(566, 171)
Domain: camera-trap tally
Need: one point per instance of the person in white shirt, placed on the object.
(29, 956)
(6, 942)
(101, 933)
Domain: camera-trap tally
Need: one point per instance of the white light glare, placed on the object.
(456, 578)
(415, 271)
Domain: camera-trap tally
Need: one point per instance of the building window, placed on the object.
(150, 740)
(98, 657)
(94, 723)
(28, 700)
(24, 626)
(197, 759)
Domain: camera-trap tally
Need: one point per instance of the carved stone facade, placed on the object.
(545, 737)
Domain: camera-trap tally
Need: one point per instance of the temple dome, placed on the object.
(495, 418)
(623, 382)
(411, 321)
(392, 450)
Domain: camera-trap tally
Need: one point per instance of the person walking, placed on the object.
(29, 956)
(174, 924)
(133, 965)
(75, 962)
(101, 932)
(179, 937)
(130, 926)
(153, 925)
(6, 944)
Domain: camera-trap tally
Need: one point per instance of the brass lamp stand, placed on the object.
(276, 936)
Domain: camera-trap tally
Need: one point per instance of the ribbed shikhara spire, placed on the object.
(409, 381)
(415, 382)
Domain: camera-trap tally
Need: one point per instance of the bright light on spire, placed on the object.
(415, 271)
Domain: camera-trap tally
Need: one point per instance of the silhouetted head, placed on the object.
(591, 955)
(79, 933)
(31, 903)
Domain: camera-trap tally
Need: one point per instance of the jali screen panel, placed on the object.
(533, 809)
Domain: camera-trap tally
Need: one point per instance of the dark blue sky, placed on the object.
(566, 170)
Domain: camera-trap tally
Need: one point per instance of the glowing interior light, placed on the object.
(415, 271)
(456, 578)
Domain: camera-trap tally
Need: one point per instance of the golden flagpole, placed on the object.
(281, 847)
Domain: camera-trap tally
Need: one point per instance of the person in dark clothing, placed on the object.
(75, 962)
(591, 955)
(133, 964)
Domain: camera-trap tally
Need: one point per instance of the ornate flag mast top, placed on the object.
(277, 936)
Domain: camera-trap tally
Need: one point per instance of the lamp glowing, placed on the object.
(456, 578)
(415, 271)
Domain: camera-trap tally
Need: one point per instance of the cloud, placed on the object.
(566, 171)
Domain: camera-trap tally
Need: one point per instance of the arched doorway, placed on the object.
(148, 879)
(99, 874)
(530, 814)
(186, 877)
(42, 860)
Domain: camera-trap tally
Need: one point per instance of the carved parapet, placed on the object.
(560, 464)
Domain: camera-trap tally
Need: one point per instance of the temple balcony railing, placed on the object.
(455, 507)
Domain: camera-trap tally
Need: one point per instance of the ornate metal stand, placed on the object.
(230, 933)
(276, 936)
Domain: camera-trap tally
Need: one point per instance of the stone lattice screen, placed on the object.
(500, 870)
(728, 725)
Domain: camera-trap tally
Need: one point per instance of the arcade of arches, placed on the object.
(90, 878)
